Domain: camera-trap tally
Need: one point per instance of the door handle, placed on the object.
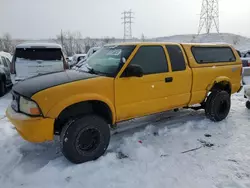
(169, 79)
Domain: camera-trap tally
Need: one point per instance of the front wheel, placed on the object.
(85, 139)
(218, 105)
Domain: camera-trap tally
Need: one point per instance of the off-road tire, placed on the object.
(2, 88)
(70, 138)
(248, 104)
(218, 105)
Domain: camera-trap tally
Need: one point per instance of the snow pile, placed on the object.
(174, 149)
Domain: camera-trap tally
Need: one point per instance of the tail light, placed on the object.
(65, 65)
(12, 64)
(249, 63)
(12, 67)
(65, 62)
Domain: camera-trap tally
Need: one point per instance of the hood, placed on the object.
(31, 86)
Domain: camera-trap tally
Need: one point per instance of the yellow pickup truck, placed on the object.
(121, 82)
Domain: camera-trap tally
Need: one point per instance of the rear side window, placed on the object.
(213, 54)
(4, 62)
(152, 59)
(44, 54)
(176, 58)
(8, 62)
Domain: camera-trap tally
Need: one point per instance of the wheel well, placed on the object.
(223, 85)
(97, 107)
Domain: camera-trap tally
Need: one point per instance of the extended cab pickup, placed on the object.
(121, 82)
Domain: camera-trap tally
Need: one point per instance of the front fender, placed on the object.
(217, 80)
(60, 106)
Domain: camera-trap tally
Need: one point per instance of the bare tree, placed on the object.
(89, 43)
(142, 37)
(1, 45)
(60, 39)
(107, 40)
(78, 44)
(6, 43)
(71, 42)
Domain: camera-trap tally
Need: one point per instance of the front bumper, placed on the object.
(32, 129)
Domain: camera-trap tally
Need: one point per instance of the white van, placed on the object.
(32, 59)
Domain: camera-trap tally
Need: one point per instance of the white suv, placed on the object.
(32, 59)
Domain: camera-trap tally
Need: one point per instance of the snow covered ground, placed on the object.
(156, 154)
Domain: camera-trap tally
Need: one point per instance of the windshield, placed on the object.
(108, 60)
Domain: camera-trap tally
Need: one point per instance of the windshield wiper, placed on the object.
(88, 69)
(91, 70)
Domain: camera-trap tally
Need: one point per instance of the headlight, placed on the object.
(28, 107)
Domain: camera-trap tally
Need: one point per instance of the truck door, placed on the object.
(181, 75)
(138, 96)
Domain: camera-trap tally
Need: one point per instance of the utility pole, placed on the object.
(127, 22)
(61, 37)
(209, 17)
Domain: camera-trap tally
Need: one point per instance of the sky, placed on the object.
(34, 19)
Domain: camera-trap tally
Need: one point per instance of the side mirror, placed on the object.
(133, 70)
(124, 60)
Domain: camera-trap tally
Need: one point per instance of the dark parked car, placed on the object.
(245, 58)
(5, 77)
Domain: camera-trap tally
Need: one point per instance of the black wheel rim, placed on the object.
(223, 107)
(88, 140)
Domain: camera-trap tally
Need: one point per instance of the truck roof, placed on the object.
(38, 45)
(157, 43)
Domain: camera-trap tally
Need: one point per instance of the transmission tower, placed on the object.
(127, 22)
(209, 17)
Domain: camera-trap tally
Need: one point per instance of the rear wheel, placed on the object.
(248, 104)
(2, 88)
(85, 139)
(218, 105)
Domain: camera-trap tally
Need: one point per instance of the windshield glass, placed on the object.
(108, 60)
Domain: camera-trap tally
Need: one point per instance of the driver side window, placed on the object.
(151, 59)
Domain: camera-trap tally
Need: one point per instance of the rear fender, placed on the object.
(218, 80)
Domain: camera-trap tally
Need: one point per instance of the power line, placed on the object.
(127, 22)
(209, 17)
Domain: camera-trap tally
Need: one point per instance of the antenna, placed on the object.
(127, 22)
